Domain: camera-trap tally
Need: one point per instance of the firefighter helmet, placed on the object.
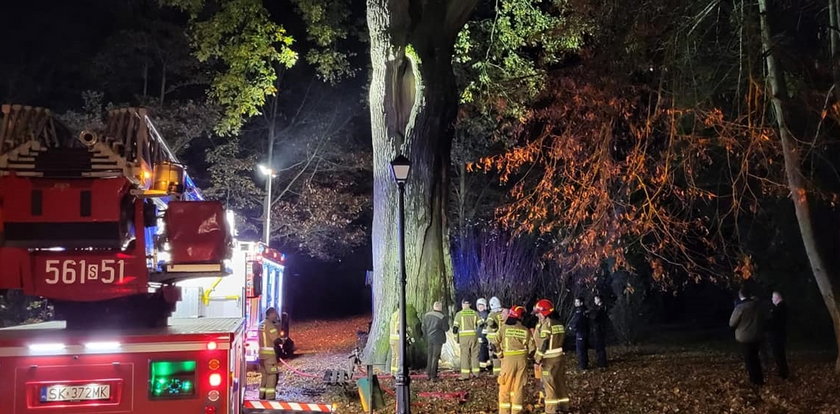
(516, 312)
(481, 301)
(544, 307)
(495, 304)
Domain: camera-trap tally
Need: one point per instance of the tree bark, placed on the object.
(828, 285)
(413, 99)
(834, 43)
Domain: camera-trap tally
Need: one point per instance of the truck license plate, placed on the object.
(84, 392)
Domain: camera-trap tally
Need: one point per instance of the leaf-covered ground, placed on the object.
(646, 379)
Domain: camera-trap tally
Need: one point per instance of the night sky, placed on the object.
(48, 58)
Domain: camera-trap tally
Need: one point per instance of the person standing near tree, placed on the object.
(494, 322)
(777, 333)
(483, 346)
(514, 343)
(549, 357)
(434, 328)
(465, 327)
(394, 341)
(580, 325)
(600, 324)
(747, 320)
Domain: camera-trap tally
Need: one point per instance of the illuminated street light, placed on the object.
(270, 174)
(400, 167)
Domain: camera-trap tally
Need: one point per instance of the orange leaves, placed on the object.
(745, 268)
(608, 176)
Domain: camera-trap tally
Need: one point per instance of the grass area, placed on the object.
(666, 377)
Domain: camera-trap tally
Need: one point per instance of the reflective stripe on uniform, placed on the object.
(504, 405)
(557, 401)
(465, 371)
(516, 333)
(554, 353)
(512, 353)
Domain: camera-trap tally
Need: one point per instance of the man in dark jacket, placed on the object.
(777, 333)
(434, 328)
(747, 319)
(580, 325)
(600, 323)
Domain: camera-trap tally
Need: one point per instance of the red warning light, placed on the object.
(212, 345)
(215, 379)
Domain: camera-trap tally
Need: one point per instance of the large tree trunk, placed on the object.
(828, 285)
(413, 100)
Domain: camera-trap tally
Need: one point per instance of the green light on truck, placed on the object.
(171, 379)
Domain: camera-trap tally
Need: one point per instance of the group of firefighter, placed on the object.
(507, 344)
(495, 341)
(498, 341)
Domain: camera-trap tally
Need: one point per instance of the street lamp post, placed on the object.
(400, 167)
(269, 173)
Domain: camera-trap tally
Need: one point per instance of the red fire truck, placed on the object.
(104, 222)
(191, 366)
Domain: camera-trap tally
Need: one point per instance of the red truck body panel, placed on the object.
(112, 371)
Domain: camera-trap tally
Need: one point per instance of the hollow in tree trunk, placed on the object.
(413, 99)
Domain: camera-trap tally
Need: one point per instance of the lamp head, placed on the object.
(265, 170)
(400, 166)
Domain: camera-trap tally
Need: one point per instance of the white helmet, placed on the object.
(481, 301)
(495, 304)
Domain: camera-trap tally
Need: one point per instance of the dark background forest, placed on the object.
(623, 147)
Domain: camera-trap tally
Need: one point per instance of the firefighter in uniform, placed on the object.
(483, 346)
(394, 341)
(514, 343)
(494, 322)
(465, 328)
(268, 359)
(550, 356)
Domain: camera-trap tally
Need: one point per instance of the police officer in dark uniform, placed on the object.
(600, 322)
(580, 325)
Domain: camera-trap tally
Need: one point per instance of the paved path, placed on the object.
(321, 345)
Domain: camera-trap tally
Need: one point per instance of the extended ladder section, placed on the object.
(100, 213)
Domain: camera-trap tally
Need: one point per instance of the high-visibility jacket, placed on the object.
(494, 322)
(514, 340)
(395, 327)
(268, 333)
(466, 321)
(549, 339)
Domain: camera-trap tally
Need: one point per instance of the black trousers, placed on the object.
(432, 358)
(777, 347)
(483, 352)
(582, 345)
(600, 344)
(753, 361)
